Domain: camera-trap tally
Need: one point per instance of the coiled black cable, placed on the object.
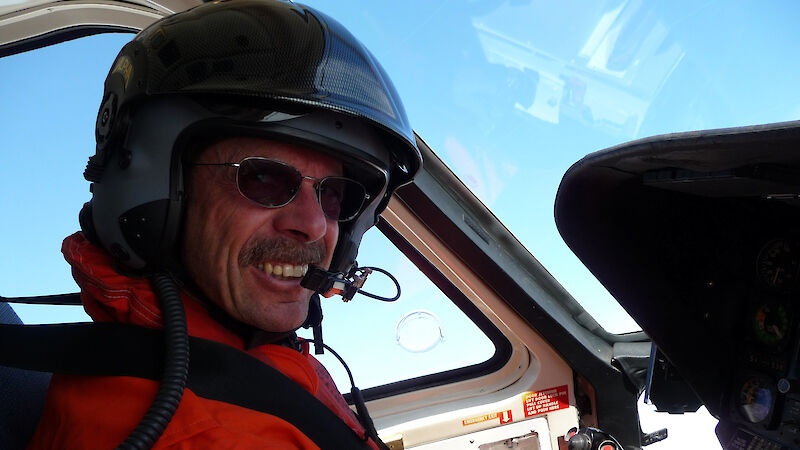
(378, 297)
(176, 367)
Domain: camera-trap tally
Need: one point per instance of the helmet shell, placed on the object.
(239, 67)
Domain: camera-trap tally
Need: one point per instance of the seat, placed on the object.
(22, 395)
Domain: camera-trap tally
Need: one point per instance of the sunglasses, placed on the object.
(273, 184)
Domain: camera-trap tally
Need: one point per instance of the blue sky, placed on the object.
(476, 90)
(509, 94)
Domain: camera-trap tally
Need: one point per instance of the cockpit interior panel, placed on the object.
(697, 235)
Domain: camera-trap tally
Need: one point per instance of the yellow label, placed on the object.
(504, 416)
(125, 68)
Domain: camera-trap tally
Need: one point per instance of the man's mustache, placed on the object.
(282, 250)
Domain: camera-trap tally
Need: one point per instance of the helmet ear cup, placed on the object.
(87, 223)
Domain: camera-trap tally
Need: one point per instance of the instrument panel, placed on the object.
(730, 277)
(765, 391)
(697, 236)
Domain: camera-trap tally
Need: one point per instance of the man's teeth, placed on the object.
(284, 270)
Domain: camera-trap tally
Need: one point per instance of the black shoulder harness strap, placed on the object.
(216, 371)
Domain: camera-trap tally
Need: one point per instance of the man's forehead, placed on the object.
(234, 149)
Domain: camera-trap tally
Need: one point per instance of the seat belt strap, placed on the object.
(117, 349)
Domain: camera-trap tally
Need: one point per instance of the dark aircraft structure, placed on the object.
(697, 235)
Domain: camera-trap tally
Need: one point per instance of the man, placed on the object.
(238, 144)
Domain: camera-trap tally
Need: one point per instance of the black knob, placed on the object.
(579, 442)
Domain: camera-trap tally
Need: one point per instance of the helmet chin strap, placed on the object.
(314, 321)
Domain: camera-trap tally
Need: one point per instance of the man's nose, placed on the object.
(303, 217)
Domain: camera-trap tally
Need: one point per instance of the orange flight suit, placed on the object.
(87, 412)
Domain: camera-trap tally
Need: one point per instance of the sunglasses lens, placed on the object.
(341, 198)
(268, 183)
(274, 184)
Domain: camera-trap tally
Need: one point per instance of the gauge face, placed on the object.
(771, 324)
(778, 263)
(756, 398)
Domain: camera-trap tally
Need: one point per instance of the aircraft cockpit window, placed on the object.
(48, 112)
(422, 333)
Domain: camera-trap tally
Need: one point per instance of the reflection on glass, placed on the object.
(418, 331)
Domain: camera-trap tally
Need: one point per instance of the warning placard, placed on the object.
(541, 402)
(504, 416)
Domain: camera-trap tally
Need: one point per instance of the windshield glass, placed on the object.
(508, 93)
(511, 93)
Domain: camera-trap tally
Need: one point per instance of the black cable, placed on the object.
(378, 297)
(341, 360)
(176, 367)
(358, 399)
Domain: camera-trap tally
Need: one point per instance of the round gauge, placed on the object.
(778, 263)
(756, 398)
(771, 324)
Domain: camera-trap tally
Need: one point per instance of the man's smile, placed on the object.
(283, 270)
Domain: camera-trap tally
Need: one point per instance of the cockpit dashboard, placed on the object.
(697, 235)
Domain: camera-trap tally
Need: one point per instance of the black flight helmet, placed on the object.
(258, 68)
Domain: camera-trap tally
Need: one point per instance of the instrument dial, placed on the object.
(779, 263)
(756, 398)
(771, 324)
